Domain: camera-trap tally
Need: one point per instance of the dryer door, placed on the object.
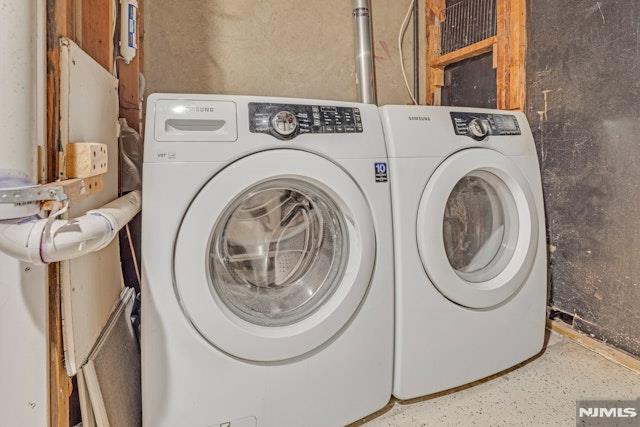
(477, 228)
(274, 255)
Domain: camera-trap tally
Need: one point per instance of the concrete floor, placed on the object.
(541, 392)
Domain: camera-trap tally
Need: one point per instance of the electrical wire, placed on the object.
(403, 29)
(133, 255)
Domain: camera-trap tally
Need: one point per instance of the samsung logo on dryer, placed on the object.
(420, 118)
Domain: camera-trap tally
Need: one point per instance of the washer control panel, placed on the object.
(286, 121)
(480, 125)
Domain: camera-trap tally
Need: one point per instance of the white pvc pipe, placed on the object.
(41, 241)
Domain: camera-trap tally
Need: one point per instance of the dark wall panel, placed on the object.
(583, 103)
(470, 83)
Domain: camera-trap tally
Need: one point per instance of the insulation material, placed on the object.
(91, 284)
(112, 374)
(131, 158)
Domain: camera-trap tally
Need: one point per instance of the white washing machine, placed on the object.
(469, 245)
(267, 293)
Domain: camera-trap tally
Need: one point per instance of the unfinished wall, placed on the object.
(275, 48)
(470, 83)
(583, 103)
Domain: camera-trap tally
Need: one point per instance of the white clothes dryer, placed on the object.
(267, 294)
(470, 254)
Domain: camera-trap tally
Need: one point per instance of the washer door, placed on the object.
(477, 228)
(274, 255)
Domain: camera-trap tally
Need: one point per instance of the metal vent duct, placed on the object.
(365, 71)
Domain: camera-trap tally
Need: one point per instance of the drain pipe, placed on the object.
(42, 241)
(365, 68)
(24, 235)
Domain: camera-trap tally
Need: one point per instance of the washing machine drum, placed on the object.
(477, 228)
(287, 261)
(278, 251)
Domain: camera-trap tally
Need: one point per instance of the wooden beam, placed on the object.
(594, 345)
(76, 189)
(466, 52)
(97, 31)
(511, 47)
(434, 10)
(60, 22)
(86, 159)
(129, 79)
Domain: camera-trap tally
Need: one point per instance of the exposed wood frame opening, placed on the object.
(89, 23)
(508, 47)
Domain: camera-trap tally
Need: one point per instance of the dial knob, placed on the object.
(284, 123)
(478, 128)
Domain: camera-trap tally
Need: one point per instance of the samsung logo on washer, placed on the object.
(420, 118)
(197, 109)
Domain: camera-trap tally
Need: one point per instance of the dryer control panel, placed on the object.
(285, 121)
(480, 125)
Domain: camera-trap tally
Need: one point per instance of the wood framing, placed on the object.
(129, 76)
(97, 27)
(434, 11)
(466, 52)
(85, 159)
(60, 22)
(90, 23)
(508, 46)
(511, 50)
(76, 189)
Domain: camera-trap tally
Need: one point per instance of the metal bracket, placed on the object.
(32, 194)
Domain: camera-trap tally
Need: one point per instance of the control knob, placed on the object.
(284, 123)
(478, 128)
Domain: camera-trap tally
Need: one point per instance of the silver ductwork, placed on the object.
(365, 69)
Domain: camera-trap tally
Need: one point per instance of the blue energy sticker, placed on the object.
(381, 172)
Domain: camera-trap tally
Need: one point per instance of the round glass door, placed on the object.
(278, 251)
(477, 228)
(274, 255)
(480, 226)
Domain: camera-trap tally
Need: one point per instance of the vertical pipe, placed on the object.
(19, 116)
(17, 80)
(416, 51)
(365, 71)
(23, 319)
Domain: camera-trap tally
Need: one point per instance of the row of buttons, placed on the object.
(461, 126)
(261, 122)
(331, 129)
(341, 129)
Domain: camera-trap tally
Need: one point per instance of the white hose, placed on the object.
(403, 29)
(42, 241)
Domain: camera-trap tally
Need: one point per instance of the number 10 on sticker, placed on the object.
(381, 172)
